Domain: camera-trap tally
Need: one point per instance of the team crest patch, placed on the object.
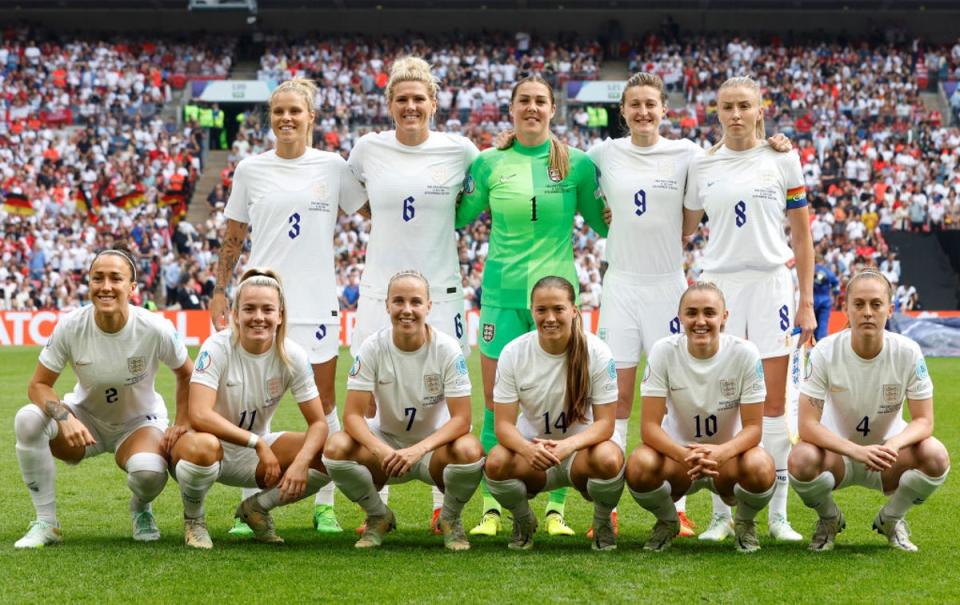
(760, 369)
(136, 365)
(612, 370)
(646, 373)
(602, 333)
(203, 362)
(468, 185)
(922, 369)
(554, 175)
(320, 190)
(461, 366)
(439, 175)
(728, 388)
(891, 394)
(488, 332)
(807, 367)
(355, 368)
(274, 387)
(432, 384)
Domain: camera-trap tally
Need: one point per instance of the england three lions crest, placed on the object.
(439, 175)
(728, 388)
(432, 384)
(136, 365)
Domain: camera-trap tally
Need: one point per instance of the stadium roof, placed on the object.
(703, 5)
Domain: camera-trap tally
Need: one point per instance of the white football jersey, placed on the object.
(538, 381)
(413, 197)
(291, 207)
(115, 372)
(704, 395)
(745, 195)
(250, 386)
(644, 188)
(410, 388)
(863, 398)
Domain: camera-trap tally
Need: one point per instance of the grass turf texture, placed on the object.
(99, 562)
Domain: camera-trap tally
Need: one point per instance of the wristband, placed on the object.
(252, 441)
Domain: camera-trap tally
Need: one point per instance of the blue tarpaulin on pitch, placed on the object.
(937, 336)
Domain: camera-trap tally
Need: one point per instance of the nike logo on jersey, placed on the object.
(711, 184)
(526, 388)
(506, 177)
(673, 388)
(385, 381)
(83, 363)
(232, 383)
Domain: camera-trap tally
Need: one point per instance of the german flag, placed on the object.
(17, 203)
(171, 197)
(87, 206)
(129, 201)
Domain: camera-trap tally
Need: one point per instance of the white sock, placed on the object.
(356, 483)
(195, 481)
(818, 494)
(750, 503)
(776, 441)
(720, 508)
(146, 476)
(512, 495)
(658, 501)
(606, 494)
(34, 430)
(681, 505)
(325, 495)
(385, 493)
(438, 495)
(914, 488)
(459, 483)
(271, 498)
(246, 492)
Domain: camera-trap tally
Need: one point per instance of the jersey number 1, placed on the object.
(533, 209)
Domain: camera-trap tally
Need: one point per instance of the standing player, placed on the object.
(701, 424)
(114, 349)
(852, 428)
(240, 377)
(532, 189)
(559, 382)
(413, 177)
(825, 285)
(747, 190)
(288, 199)
(416, 378)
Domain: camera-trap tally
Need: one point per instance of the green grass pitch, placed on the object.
(99, 563)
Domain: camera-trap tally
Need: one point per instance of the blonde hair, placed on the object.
(413, 274)
(267, 278)
(869, 273)
(306, 89)
(702, 286)
(760, 130)
(411, 69)
(559, 161)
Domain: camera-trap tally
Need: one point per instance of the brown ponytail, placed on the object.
(578, 355)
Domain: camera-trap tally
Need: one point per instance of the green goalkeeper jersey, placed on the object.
(532, 213)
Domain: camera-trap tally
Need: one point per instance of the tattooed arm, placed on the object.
(229, 253)
(41, 393)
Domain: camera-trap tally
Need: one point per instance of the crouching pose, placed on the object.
(702, 419)
(562, 383)
(851, 424)
(239, 378)
(417, 378)
(115, 350)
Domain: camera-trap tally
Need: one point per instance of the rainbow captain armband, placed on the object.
(796, 197)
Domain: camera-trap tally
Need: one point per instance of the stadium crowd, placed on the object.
(875, 157)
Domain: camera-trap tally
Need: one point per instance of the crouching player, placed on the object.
(562, 383)
(701, 423)
(239, 378)
(417, 378)
(851, 424)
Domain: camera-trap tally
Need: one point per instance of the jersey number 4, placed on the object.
(864, 426)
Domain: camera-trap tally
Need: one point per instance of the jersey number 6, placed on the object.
(408, 210)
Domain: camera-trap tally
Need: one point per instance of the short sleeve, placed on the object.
(505, 384)
(303, 387)
(919, 385)
(590, 202)
(815, 381)
(363, 372)
(792, 174)
(597, 152)
(456, 377)
(752, 386)
(691, 196)
(352, 192)
(173, 353)
(212, 362)
(603, 377)
(56, 353)
(656, 379)
(470, 151)
(355, 161)
(238, 203)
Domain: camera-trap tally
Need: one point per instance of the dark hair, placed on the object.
(578, 357)
(559, 162)
(123, 252)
